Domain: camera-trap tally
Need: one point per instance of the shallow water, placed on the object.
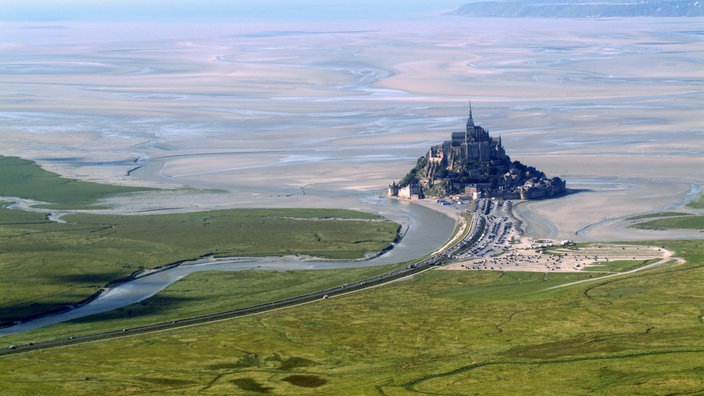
(425, 231)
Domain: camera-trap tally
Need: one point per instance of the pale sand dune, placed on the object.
(280, 118)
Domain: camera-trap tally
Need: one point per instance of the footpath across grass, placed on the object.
(618, 265)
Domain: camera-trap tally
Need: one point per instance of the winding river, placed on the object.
(426, 230)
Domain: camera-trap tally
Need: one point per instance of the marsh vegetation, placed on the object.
(694, 222)
(444, 331)
(48, 265)
(25, 179)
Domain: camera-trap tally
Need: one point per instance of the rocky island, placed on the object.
(474, 164)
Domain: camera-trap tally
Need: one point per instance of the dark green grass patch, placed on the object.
(251, 385)
(697, 203)
(25, 179)
(687, 222)
(306, 381)
(662, 214)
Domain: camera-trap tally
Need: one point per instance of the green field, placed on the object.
(688, 222)
(47, 265)
(25, 179)
(443, 332)
(653, 215)
(202, 293)
(697, 203)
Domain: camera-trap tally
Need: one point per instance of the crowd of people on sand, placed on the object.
(516, 262)
(558, 260)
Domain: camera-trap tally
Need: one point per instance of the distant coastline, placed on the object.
(581, 9)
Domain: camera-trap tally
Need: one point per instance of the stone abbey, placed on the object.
(473, 144)
(474, 163)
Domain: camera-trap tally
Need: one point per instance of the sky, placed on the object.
(169, 10)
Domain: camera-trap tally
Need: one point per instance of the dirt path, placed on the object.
(667, 257)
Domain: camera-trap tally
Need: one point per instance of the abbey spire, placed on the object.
(470, 120)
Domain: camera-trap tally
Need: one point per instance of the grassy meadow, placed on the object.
(443, 332)
(25, 179)
(201, 293)
(697, 203)
(666, 220)
(46, 265)
(689, 222)
(656, 215)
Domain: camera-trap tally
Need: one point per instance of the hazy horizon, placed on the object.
(221, 10)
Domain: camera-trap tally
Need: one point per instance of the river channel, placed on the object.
(425, 231)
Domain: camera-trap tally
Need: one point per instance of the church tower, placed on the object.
(470, 120)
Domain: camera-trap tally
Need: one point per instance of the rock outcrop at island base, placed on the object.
(474, 163)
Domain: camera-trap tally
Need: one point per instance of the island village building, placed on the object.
(475, 164)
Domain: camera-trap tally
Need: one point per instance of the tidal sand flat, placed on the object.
(315, 114)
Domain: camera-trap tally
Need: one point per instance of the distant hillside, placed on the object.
(582, 8)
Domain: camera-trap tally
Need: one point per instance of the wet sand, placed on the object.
(321, 115)
(601, 210)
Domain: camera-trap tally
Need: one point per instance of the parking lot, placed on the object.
(494, 243)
